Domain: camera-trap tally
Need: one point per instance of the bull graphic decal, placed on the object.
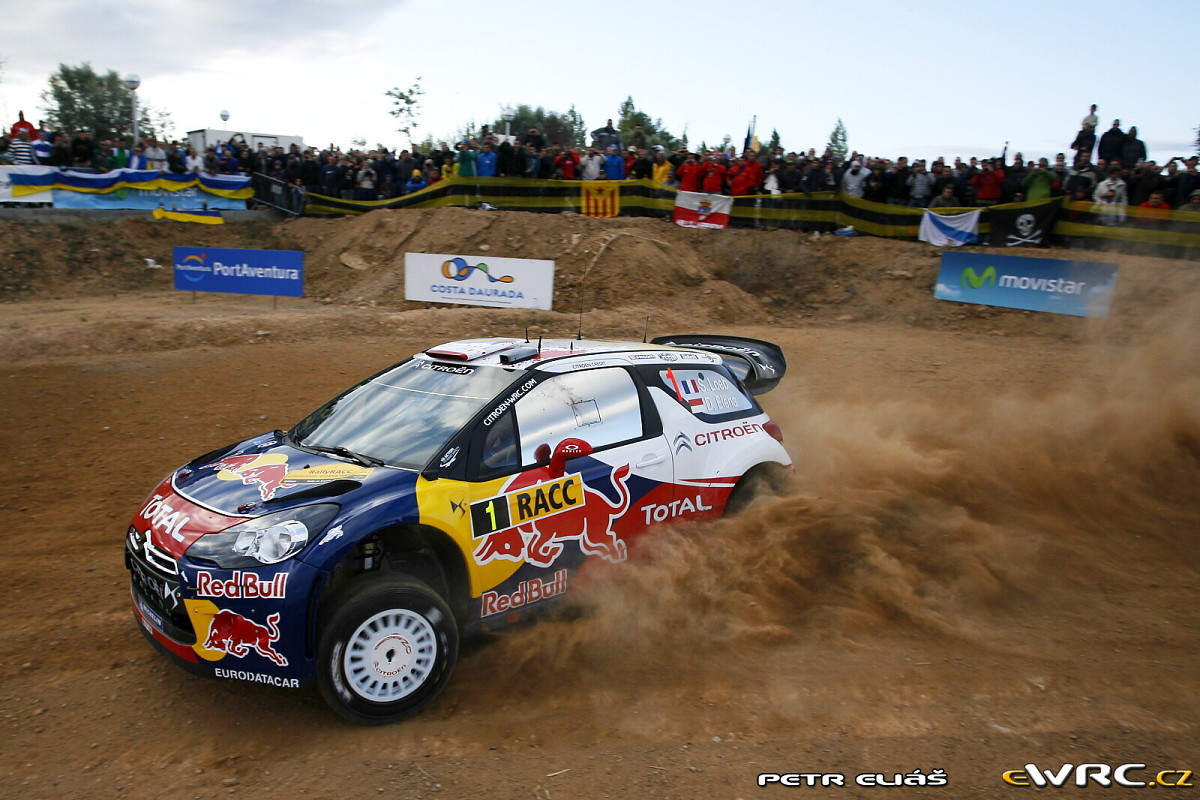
(234, 634)
(558, 509)
(264, 471)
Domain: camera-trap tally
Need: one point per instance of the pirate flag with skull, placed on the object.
(1026, 226)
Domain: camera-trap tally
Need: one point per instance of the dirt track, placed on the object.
(987, 559)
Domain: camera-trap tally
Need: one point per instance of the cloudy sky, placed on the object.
(922, 79)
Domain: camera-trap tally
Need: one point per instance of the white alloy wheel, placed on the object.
(390, 655)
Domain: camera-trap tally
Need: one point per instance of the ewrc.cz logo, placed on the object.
(1095, 773)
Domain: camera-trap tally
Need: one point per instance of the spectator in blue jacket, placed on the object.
(485, 162)
(417, 181)
(614, 165)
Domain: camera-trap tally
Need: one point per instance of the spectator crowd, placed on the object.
(1111, 168)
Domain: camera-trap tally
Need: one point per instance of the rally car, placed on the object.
(456, 491)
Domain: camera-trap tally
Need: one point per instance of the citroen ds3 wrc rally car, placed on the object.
(454, 492)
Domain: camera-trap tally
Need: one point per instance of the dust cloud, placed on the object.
(948, 518)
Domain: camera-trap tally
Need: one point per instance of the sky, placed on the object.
(922, 79)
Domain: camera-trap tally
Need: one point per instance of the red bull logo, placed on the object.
(530, 591)
(534, 516)
(236, 635)
(267, 472)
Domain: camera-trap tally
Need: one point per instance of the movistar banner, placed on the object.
(1078, 288)
(223, 269)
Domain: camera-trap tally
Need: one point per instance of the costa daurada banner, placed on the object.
(1078, 288)
(237, 271)
(478, 281)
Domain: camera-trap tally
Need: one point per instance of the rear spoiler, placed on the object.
(759, 365)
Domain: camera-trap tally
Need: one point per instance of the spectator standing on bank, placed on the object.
(854, 180)
(989, 184)
(464, 162)
(590, 165)
(1091, 118)
(946, 199)
(1187, 180)
(660, 168)
(1038, 182)
(1085, 142)
(614, 164)
(712, 175)
(20, 149)
(689, 174)
(897, 181)
(1143, 181)
(485, 162)
(534, 137)
(920, 186)
(1133, 150)
(637, 139)
(1112, 143)
(416, 182)
(567, 162)
(606, 137)
(1113, 187)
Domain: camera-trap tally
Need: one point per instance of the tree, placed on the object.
(656, 133)
(1198, 141)
(837, 142)
(566, 129)
(80, 99)
(407, 104)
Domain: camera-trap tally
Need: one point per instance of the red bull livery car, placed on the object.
(457, 491)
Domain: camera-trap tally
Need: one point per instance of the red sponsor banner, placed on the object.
(700, 210)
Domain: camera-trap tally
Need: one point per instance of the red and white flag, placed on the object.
(699, 210)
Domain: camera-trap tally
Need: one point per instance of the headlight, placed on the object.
(266, 540)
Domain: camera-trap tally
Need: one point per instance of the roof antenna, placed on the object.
(582, 287)
(646, 333)
(526, 334)
(539, 344)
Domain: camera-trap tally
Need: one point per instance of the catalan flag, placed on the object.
(204, 217)
(601, 198)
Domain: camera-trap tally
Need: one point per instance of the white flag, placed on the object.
(953, 230)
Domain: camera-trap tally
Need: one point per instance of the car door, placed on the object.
(552, 513)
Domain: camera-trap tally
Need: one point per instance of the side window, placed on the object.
(500, 445)
(600, 406)
(709, 393)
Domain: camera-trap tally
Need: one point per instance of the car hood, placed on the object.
(263, 474)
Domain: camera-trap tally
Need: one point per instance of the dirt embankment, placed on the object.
(627, 275)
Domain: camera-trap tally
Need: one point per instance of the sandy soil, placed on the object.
(987, 557)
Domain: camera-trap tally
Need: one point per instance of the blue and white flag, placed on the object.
(954, 230)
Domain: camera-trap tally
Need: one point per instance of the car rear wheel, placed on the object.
(760, 481)
(387, 650)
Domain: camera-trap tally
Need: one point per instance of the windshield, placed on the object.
(404, 416)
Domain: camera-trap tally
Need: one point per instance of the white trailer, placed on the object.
(210, 137)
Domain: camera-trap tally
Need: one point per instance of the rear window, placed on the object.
(711, 393)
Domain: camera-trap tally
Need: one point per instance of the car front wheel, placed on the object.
(388, 649)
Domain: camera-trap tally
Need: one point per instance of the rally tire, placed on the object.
(762, 480)
(386, 651)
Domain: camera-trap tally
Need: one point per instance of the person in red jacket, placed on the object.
(756, 169)
(566, 161)
(712, 175)
(989, 184)
(741, 178)
(688, 174)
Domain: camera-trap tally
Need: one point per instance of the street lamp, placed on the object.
(224, 116)
(132, 82)
(507, 113)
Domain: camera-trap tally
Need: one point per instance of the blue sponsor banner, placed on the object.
(1078, 288)
(223, 269)
(145, 199)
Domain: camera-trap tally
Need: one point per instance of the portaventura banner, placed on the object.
(1078, 288)
(475, 281)
(240, 271)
